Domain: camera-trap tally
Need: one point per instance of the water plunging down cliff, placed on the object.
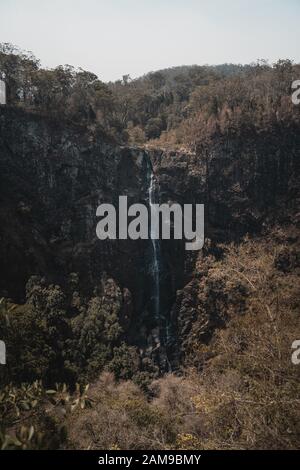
(158, 276)
(155, 268)
(53, 176)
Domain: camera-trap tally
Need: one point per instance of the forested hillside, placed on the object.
(176, 106)
(84, 350)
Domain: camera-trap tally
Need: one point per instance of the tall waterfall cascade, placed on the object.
(154, 235)
(156, 271)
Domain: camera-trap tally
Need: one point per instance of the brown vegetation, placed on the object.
(240, 390)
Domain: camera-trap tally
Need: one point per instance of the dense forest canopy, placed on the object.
(176, 106)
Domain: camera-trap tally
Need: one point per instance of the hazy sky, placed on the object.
(117, 37)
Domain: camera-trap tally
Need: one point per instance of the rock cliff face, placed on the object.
(247, 184)
(54, 175)
(53, 178)
(244, 181)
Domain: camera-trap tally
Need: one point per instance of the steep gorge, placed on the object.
(53, 177)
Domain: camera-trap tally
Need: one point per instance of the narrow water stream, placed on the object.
(154, 235)
(159, 310)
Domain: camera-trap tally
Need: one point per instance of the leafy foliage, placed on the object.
(176, 106)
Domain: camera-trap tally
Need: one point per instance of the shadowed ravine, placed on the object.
(53, 178)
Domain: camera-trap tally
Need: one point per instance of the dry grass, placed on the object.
(246, 395)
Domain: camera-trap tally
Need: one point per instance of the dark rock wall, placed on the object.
(54, 175)
(244, 181)
(247, 185)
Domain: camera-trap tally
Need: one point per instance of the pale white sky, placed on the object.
(117, 37)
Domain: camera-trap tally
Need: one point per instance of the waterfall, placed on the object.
(155, 247)
(157, 274)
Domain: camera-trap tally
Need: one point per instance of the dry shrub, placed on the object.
(123, 418)
(246, 394)
(249, 388)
